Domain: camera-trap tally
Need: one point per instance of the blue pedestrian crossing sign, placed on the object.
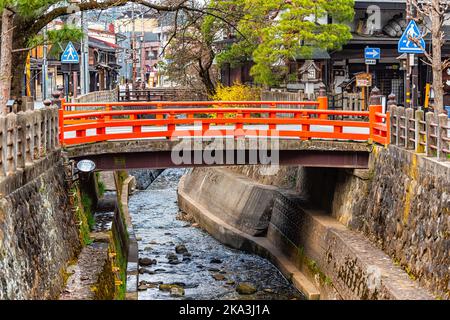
(372, 53)
(411, 40)
(70, 55)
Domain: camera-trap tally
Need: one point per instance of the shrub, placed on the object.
(237, 92)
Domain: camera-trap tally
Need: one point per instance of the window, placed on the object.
(312, 74)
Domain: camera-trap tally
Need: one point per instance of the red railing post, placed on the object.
(273, 115)
(102, 130)
(170, 126)
(373, 121)
(305, 127)
(388, 129)
(61, 121)
(323, 102)
(159, 106)
(108, 110)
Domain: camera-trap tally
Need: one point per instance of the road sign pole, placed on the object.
(408, 83)
(415, 82)
(75, 84)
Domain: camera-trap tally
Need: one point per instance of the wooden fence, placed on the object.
(346, 101)
(99, 96)
(420, 131)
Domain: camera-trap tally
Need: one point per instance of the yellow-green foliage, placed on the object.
(237, 92)
(119, 261)
(122, 176)
(85, 219)
(101, 185)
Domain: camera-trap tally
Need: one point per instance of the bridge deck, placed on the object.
(157, 135)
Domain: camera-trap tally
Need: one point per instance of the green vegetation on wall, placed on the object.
(82, 205)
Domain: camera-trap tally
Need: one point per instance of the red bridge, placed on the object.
(292, 123)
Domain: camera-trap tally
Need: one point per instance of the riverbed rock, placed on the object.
(219, 277)
(148, 248)
(213, 269)
(230, 282)
(165, 287)
(181, 249)
(146, 271)
(142, 287)
(147, 262)
(177, 292)
(245, 288)
(215, 261)
(171, 256)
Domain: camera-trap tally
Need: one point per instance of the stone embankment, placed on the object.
(38, 233)
(336, 234)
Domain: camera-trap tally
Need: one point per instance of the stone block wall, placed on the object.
(38, 232)
(403, 206)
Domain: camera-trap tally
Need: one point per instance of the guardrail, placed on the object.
(245, 120)
(420, 131)
(27, 137)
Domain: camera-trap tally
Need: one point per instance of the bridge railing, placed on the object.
(27, 137)
(70, 107)
(204, 120)
(421, 132)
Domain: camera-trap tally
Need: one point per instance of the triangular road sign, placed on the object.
(70, 55)
(406, 44)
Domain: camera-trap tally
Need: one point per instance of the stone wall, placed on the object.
(317, 253)
(144, 177)
(403, 206)
(38, 232)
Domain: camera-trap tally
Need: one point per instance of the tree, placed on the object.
(192, 49)
(5, 59)
(432, 14)
(30, 17)
(273, 32)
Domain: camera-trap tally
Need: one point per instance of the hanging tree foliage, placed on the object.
(29, 17)
(272, 32)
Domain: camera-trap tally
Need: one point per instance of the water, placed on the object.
(154, 213)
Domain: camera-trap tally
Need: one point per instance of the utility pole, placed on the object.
(133, 41)
(142, 53)
(45, 66)
(412, 72)
(84, 59)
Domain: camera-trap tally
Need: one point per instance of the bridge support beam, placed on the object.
(164, 159)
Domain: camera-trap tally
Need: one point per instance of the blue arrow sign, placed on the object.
(406, 43)
(70, 55)
(372, 53)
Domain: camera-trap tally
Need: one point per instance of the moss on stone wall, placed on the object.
(119, 264)
(82, 206)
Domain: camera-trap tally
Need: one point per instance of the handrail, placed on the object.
(190, 103)
(99, 125)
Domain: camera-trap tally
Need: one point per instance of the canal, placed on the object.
(181, 261)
